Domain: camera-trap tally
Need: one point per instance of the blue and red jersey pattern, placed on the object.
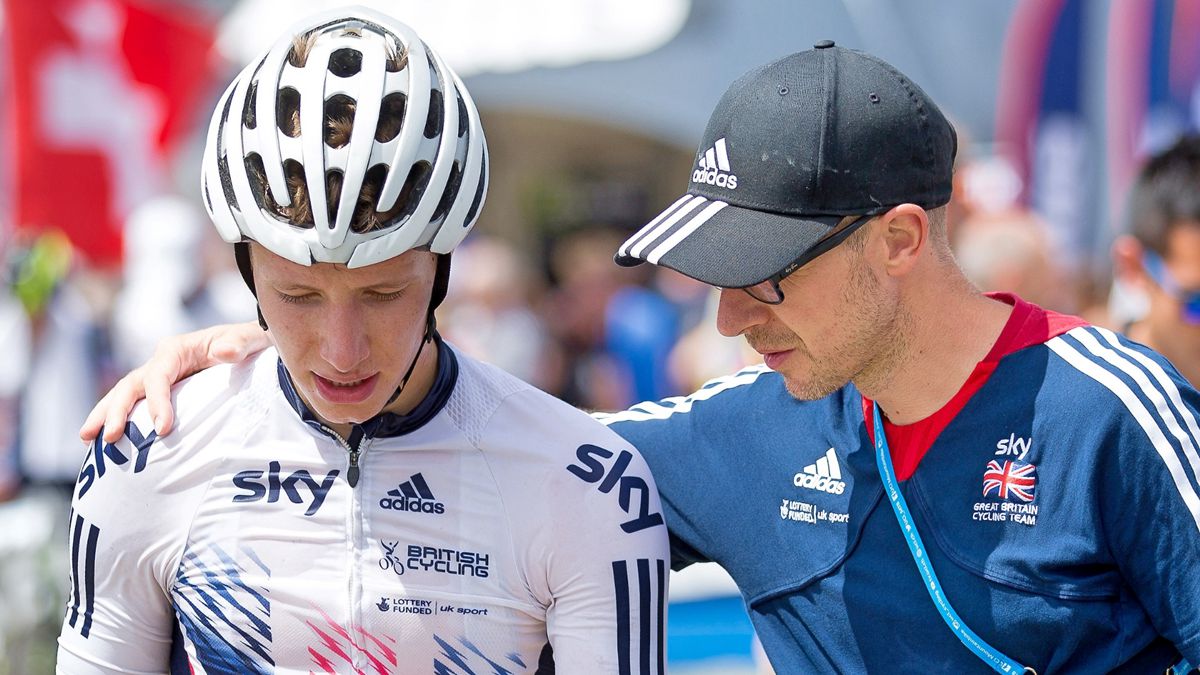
(1058, 503)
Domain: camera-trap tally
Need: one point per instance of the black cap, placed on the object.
(792, 148)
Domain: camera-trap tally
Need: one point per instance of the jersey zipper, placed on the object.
(355, 515)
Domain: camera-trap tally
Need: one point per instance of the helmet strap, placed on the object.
(241, 254)
(429, 336)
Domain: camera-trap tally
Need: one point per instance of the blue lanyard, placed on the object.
(999, 662)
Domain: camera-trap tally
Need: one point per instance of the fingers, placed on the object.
(158, 382)
(112, 410)
(230, 344)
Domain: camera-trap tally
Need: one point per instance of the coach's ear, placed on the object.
(904, 231)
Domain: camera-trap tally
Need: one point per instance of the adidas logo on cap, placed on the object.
(824, 475)
(414, 496)
(713, 167)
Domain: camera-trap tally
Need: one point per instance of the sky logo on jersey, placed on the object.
(414, 496)
(825, 475)
(95, 465)
(592, 470)
(257, 490)
(1009, 480)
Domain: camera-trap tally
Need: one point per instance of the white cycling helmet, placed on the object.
(437, 161)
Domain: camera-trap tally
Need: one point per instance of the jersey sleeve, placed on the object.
(1152, 513)
(685, 450)
(1148, 481)
(597, 553)
(128, 523)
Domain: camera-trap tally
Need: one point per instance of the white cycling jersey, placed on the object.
(495, 529)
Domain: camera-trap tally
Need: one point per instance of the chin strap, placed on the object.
(429, 336)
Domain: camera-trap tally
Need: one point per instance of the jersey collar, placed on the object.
(386, 425)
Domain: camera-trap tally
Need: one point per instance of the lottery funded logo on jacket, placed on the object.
(1009, 485)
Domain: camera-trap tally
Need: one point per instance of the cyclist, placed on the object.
(361, 498)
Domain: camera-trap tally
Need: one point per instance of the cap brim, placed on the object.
(721, 244)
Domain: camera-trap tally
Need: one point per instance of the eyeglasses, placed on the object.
(1189, 299)
(769, 292)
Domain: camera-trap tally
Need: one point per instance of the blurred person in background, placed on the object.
(615, 333)
(69, 360)
(54, 353)
(1159, 256)
(488, 312)
(16, 345)
(364, 496)
(1009, 251)
(177, 271)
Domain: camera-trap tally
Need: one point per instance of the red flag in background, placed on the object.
(101, 91)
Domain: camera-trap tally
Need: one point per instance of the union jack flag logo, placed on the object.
(1010, 479)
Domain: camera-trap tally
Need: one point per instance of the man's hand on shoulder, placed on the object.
(174, 359)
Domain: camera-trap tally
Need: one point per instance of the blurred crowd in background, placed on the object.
(105, 247)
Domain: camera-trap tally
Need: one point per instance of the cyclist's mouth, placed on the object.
(352, 391)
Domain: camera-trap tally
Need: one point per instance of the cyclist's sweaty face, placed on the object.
(347, 336)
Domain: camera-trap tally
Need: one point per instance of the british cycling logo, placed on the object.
(273, 487)
(413, 496)
(592, 470)
(417, 557)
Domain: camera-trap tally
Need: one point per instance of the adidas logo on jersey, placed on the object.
(414, 496)
(824, 475)
(713, 167)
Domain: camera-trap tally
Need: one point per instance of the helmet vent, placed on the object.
(301, 47)
(227, 182)
(391, 117)
(339, 120)
(249, 114)
(483, 172)
(333, 193)
(287, 112)
(462, 114)
(345, 62)
(397, 57)
(414, 187)
(433, 123)
(449, 194)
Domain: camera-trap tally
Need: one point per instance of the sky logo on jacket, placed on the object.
(413, 496)
(275, 486)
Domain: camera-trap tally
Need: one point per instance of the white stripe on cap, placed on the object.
(665, 225)
(685, 231)
(624, 250)
(722, 155)
(710, 156)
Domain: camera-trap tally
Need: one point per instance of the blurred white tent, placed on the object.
(484, 35)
